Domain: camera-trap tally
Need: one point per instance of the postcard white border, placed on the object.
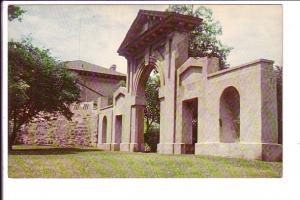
(278, 188)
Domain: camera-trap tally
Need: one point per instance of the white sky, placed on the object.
(93, 33)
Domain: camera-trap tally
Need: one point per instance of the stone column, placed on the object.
(114, 146)
(137, 128)
(271, 150)
(269, 104)
(136, 125)
(176, 54)
(100, 120)
(178, 148)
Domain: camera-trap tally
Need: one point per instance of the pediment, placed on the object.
(144, 20)
(148, 25)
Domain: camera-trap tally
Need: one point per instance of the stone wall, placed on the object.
(80, 131)
(102, 85)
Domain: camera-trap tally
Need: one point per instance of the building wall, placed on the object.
(185, 79)
(108, 113)
(200, 79)
(80, 131)
(190, 85)
(83, 128)
(103, 85)
(258, 113)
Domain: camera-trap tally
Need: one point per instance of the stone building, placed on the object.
(94, 82)
(235, 108)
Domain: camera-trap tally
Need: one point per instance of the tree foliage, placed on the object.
(152, 139)
(203, 40)
(15, 12)
(152, 110)
(37, 84)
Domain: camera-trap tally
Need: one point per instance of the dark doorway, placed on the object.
(190, 125)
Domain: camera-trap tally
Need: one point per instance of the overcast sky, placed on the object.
(93, 33)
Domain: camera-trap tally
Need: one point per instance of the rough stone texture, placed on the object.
(81, 131)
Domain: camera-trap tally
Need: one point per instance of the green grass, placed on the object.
(52, 162)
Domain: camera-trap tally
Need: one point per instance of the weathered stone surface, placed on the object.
(82, 130)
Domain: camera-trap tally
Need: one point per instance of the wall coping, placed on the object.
(231, 69)
(190, 62)
(122, 90)
(106, 107)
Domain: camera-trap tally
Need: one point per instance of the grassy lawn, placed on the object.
(51, 162)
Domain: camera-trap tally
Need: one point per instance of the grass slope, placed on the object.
(51, 162)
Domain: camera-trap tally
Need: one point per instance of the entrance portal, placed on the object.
(148, 89)
(190, 124)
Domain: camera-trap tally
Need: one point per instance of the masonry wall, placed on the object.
(103, 85)
(107, 113)
(80, 131)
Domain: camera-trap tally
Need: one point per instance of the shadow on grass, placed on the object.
(51, 151)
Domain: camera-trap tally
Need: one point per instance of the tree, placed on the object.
(15, 12)
(152, 110)
(203, 41)
(37, 85)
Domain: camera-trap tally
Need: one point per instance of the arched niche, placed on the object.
(104, 129)
(229, 121)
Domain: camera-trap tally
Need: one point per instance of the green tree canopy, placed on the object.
(152, 110)
(37, 83)
(15, 12)
(203, 41)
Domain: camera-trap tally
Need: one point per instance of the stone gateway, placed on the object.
(236, 108)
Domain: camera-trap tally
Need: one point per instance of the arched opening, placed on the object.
(104, 129)
(229, 121)
(148, 88)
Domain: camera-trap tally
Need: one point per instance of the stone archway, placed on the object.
(139, 87)
(143, 74)
(155, 36)
(229, 120)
